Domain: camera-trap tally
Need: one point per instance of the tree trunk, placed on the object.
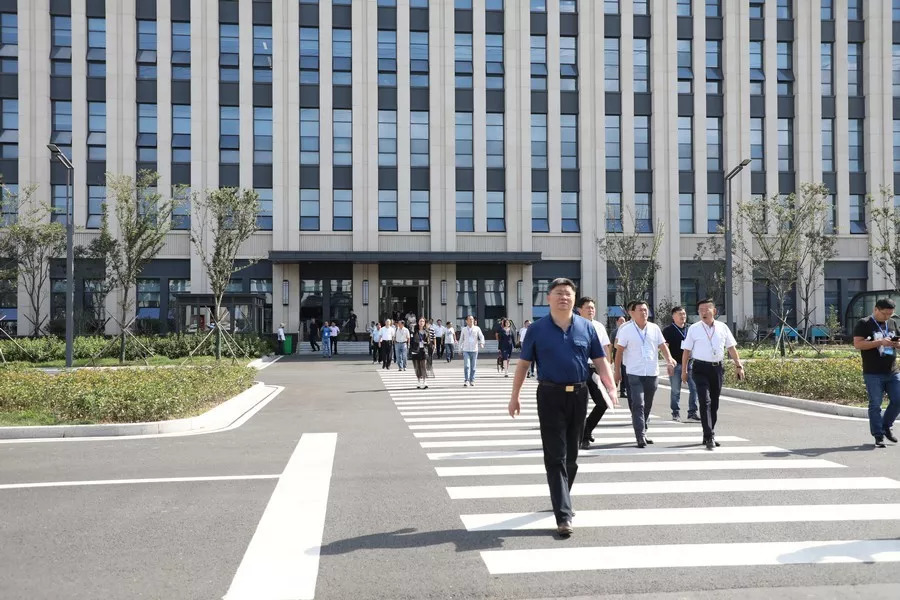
(218, 351)
(123, 326)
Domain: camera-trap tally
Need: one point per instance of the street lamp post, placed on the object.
(729, 246)
(70, 252)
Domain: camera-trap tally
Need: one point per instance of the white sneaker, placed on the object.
(506, 374)
(465, 384)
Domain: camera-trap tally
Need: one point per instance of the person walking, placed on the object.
(351, 325)
(505, 339)
(422, 349)
(470, 339)
(561, 344)
(401, 345)
(280, 337)
(523, 331)
(705, 344)
(638, 345)
(313, 335)
(623, 388)
(674, 334)
(587, 308)
(877, 340)
(439, 331)
(334, 335)
(326, 340)
(449, 341)
(375, 339)
(386, 343)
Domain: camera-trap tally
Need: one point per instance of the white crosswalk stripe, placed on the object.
(472, 440)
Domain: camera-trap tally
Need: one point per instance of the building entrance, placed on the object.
(401, 298)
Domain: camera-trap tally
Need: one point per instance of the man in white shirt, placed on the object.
(706, 343)
(587, 308)
(523, 331)
(470, 339)
(280, 335)
(334, 333)
(386, 343)
(401, 345)
(638, 345)
(439, 332)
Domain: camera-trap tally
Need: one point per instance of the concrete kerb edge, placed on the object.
(219, 417)
(828, 408)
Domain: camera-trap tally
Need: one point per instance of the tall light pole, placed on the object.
(729, 246)
(70, 252)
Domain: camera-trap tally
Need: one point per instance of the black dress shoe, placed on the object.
(591, 438)
(710, 444)
(648, 440)
(564, 529)
(889, 434)
(642, 444)
(693, 418)
(585, 445)
(879, 442)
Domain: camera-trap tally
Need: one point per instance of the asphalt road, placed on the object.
(435, 494)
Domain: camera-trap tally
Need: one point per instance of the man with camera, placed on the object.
(877, 340)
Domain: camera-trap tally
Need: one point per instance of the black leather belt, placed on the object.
(566, 387)
(706, 362)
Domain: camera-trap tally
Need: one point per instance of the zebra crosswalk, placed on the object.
(489, 461)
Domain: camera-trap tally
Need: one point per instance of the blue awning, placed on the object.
(615, 311)
(9, 314)
(148, 313)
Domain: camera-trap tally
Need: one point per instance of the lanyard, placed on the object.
(886, 330)
(643, 336)
(710, 335)
(683, 332)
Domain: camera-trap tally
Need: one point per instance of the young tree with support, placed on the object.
(884, 245)
(634, 255)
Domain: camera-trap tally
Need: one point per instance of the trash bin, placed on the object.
(288, 345)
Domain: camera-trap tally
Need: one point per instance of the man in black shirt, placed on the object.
(674, 335)
(877, 340)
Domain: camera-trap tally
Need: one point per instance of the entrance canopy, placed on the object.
(292, 256)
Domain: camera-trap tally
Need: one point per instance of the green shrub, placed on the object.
(121, 395)
(833, 379)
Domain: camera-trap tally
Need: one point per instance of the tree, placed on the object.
(710, 256)
(884, 246)
(27, 245)
(143, 218)
(634, 256)
(227, 218)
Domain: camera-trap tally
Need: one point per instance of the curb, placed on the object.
(828, 408)
(216, 418)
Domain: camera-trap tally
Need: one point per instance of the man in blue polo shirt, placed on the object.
(561, 344)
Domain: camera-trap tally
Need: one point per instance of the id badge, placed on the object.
(647, 352)
(421, 345)
(888, 351)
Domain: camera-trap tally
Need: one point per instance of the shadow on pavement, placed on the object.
(465, 541)
(820, 451)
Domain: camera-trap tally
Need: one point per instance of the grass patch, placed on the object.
(801, 351)
(836, 380)
(153, 361)
(32, 397)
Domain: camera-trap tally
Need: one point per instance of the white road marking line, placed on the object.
(600, 436)
(263, 363)
(705, 515)
(522, 422)
(643, 467)
(678, 487)
(690, 555)
(648, 451)
(94, 482)
(282, 560)
(537, 441)
(451, 413)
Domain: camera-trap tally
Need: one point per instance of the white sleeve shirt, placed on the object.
(708, 343)
(641, 354)
(402, 335)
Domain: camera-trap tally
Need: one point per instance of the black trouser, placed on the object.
(376, 352)
(313, 344)
(708, 379)
(626, 387)
(599, 405)
(334, 344)
(561, 415)
(439, 347)
(387, 353)
(352, 337)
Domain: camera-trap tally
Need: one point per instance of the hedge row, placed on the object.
(833, 379)
(121, 395)
(48, 348)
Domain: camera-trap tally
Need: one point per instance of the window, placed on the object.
(342, 210)
(569, 202)
(641, 65)
(715, 221)
(262, 135)
(540, 212)
(854, 10)
(9, 204)
(785, 145)
(464, 146)
(756, 9)
(342, 128)
(685, 69)
(462, 4)
(828, 144)
(611, 7)
(96, 52)
(419, 56)
(181, 210)
(827, 10)
(57, 299)
(387, 210)
(387, 138)
(181, 51)
(58, 201)
(146, 46)
(857, 213)
(568, 6)
(419, 211)
(685, 144)
(496, 211)
(641, 7)
(387, 58)
(828, 69)
(538, 5)
(148, 294)
(146, 133)
(686, 213)
(569, 141)
(855, 141)
(9, 43)
(896, 145)
(757, 69)
(61, 124)
(229, 49)
(784, 10)
(611, 64)
(181, 133)
(895, 10)
(613, 142)
(419, 139)
(309, 55)
(785, 68)
(309, 209)
(309, 136)
(758, 143)
(683, 8)
(641, 143)
(613, 212)
(494, 61)
(494, 135)
(463, 56)
(568, 63)
(714, 75)
(713, 144)
(61, 50)
(96, 198)
(9, 128)
(713, 8)
(643, 213)
(264, 216)
(538, 61)
(341, 56)
(854, 70)
(538, 141)
(493, 5)
(830, 214)
(262, 54)
(176, 286)
(386, 3)
(229, 135)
